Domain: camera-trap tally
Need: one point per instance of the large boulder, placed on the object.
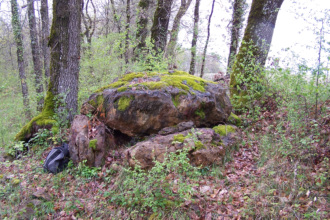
(91, 141)
(204, 146)
(140, 104)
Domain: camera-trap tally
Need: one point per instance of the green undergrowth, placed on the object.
(142, 190)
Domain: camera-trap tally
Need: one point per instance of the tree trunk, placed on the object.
(64, 69)
(35, 55)
(128, 20)
(142, 27)
(89, 24)
(175, 30)
(160, 25)
(45, 35)
(115, 16)
(235, 30)
(207, 40)
(194, 39)
(17, 29)
(253, 52)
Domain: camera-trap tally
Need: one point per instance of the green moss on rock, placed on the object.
(177, 79)
(199, 145)
(124, 102)
(234, 119)
(97, 101)
(92, 144)
(179, 138)
(122, 89)
(223, 130)
(200, 113)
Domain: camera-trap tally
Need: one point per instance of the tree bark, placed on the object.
(45, 36)
(36, 55)
(65, 54)
(160, 25)
(142, 27)
(235, 30)
(17, 29)
(207, 40)
(62, 94)
(175, 30)
(253, 52)
(128, 21)
(194, 39)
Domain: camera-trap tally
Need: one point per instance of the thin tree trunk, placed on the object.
(160, 25)
(142, 30)
(17, 29)
(36, 55)
(128, 20)
(235, 30)
(194, 39)
(115, 16)
(45, 35)
(175, 30)
(107, 19)
(90, 25)
(207, 40)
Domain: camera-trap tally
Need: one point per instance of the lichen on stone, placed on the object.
(199, 145)
(234, 119)
(123, 102)
(154, 81)
(200, 113)
(92, 144)
(179, 138)
(223, 130)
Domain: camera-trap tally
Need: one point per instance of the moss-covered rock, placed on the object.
(92, 144)
(156, 81)
(223, 130)
(235, 120)
(179, 138)
(124, 102)
(140, 104)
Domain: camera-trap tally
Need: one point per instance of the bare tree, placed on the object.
(45, 36)
(35, 55)
(194, 39)
(128, 21)
(239, 7)
(175, 30)
(116, 17)
(89, 24)
(17, 29)
(160, 25)
(207, 40)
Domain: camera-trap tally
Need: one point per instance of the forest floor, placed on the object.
(265, 178)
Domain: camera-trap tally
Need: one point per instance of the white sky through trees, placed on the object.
(295, 37)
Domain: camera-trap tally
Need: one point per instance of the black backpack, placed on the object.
(57, 159)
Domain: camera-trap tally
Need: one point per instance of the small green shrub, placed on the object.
(154, 190)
